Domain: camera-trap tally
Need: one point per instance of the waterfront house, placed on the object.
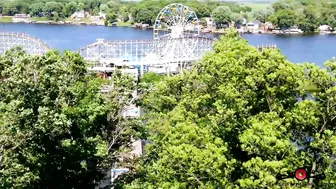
(130, 17)
(21, 18)
(102, 15)
(241, 30)
(253, 26)
(24, 16)
(222, 25)
(240, 24)
(79, 15)
(244, 22)
(144, 26)
(95, 18)
(210, 22)
(325, 28)
(293, 30)
(269, 26)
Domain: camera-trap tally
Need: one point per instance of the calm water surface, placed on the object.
(297, 48)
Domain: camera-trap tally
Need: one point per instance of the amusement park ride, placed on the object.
(177, 42)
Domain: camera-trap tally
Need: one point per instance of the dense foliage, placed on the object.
(238, 119)
(141, 12)
(308, 15)
(57, 130)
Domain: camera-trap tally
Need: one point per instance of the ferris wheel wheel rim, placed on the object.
(168, 7)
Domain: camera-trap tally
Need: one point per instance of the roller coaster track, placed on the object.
(30, 44)
(147, 52)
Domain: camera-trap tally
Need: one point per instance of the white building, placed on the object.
(102, 15)
(325, 28)
(210, 22)
(79, 15)
(253, 26)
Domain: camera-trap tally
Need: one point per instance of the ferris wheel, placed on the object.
(176, 31)
(175, 21)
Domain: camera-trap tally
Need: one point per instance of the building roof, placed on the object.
(256, 22)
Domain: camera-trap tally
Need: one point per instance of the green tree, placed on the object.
(53, 9)
(80, 6)
(57, 130)
(238, 119)
(237, 18)
(283, 19)
(111, 17)
(222, 15)
(104, 8)
(280, 5)
(94, 4)
(95, 11)
(262, 14)
(70, 8)
(331, 20)
(246, 9)
(203, 11)
(144, 15)
(36, 9)
(308, 21)
(9, 8)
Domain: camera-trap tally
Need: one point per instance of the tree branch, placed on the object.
(324, 124)
(115, 139)
(269, 104)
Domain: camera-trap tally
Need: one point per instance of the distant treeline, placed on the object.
(308, 15)
(141, 12)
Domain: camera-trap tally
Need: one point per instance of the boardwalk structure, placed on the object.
(148, 55)
(161, 55)
(176, 44)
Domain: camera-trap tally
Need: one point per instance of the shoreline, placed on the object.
(123, 24)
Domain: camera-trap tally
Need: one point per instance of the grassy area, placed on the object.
(126, 24)
(258, 6)
(6, 19)
(85, 20)
(39, 19)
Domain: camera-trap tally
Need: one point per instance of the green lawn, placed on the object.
(40, 19)
(256, 6)
(85, 20)
(126, 24)
(6, 19)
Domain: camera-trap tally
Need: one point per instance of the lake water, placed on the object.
(297, 48)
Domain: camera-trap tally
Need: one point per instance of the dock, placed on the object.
(266, 46)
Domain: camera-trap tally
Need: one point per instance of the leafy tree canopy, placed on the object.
(238, 119)
(308, 15)
(57, 130)
(142, 12)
